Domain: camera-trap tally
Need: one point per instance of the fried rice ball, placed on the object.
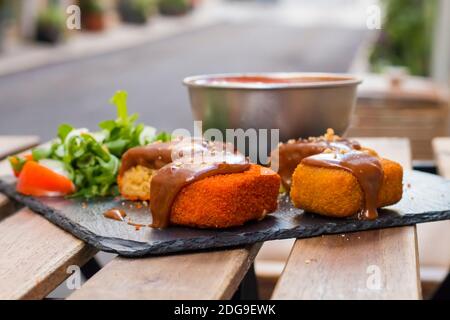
(229, 200)
(335, 192)
(135, 183)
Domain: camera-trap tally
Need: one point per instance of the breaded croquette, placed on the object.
(228, 200)
(337, 193)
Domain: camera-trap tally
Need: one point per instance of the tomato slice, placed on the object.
(37, 180)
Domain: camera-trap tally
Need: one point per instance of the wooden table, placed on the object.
(416, 108)
(35, 255)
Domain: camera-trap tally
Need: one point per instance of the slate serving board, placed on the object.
(426, 198)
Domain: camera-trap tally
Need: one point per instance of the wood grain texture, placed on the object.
(441, 148)
(35, 255)
(418, 111)
(204, 275)
(13, 144)
(5, 204)
(346, 267)
(434, 238)
(343, 266)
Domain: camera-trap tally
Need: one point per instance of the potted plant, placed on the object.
(406, 36)
(2, 21)
(50, 25)
(92, 15)
(136, 11)
(174, 7)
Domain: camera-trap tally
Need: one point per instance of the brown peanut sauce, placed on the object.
(158, 154)
(137, 226)
(289, 155)
(115, 214)
(365, 167)
(152, 156)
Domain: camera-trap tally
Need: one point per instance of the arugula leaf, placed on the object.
(120, 100)
(63, 130)
(16, 163)
(163, 137)
(41, 153)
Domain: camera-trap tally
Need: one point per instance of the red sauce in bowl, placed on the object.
(269, 80)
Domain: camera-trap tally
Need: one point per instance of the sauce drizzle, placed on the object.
(137, 226)
(288, 155)
(366, 168)
(115, 214)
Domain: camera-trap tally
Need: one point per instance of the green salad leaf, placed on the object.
(92, 159)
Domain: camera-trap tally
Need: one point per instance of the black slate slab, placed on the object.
(426, 198)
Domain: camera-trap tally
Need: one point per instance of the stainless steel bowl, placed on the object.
(298, 104)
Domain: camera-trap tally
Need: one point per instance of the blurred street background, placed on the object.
(217, 36)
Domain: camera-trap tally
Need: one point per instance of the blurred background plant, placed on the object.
(406, 37)
(92, 17)
(50, 24)
(174, 7)
(5, 9)
(137, 11)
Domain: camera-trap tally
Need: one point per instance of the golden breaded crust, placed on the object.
(135, 183)
(229, 200)
(336, 193)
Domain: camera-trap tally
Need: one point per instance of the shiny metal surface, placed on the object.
(302, 108)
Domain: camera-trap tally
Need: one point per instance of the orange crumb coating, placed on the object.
(336, 193)
(229, 200)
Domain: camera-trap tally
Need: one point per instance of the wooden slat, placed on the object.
(340, 266)
(35, 253)
(434, 238)
(441, 148)
(204, 275)
(12, 144)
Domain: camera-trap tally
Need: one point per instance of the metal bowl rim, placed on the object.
(345, 80)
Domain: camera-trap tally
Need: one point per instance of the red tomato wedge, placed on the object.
(37, 180)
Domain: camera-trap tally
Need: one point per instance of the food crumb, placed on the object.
(308, 261)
